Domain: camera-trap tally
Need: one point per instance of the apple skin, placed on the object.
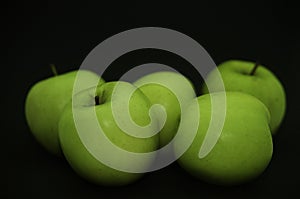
(263, 84)
(244, 148)
(80, 159)
(159, 94)
(45, 102)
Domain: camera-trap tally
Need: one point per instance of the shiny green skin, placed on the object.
(244, 148)
(45, 102)
(263, 84)
(159, 94)
(80, 159)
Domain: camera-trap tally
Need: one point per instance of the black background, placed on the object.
(36, 34)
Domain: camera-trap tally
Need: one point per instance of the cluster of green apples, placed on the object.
(255, 107)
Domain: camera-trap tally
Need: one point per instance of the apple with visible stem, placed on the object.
(171, 90)
(244, 147)
(94, 113)
(254, 79)
(45, 102)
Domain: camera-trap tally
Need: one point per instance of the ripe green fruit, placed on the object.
(45, 102)
(168, 89)
(244, 148)
(79, 131)
(256, 80)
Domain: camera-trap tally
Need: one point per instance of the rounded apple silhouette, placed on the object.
(256, 80)
(244, 148)
(102, 105)
(45, 102)
(171, 90)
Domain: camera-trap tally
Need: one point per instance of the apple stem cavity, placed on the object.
(97, 100)
(254, 69)
(53, 68)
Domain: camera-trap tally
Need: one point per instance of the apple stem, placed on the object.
(254, 69)
(97, 100)
(53, 68)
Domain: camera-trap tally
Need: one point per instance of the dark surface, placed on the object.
(38, 34)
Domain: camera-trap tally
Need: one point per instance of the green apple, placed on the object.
(244, 147)
(171, 90)
(45, 102)
(102, 111)
(254, 79)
